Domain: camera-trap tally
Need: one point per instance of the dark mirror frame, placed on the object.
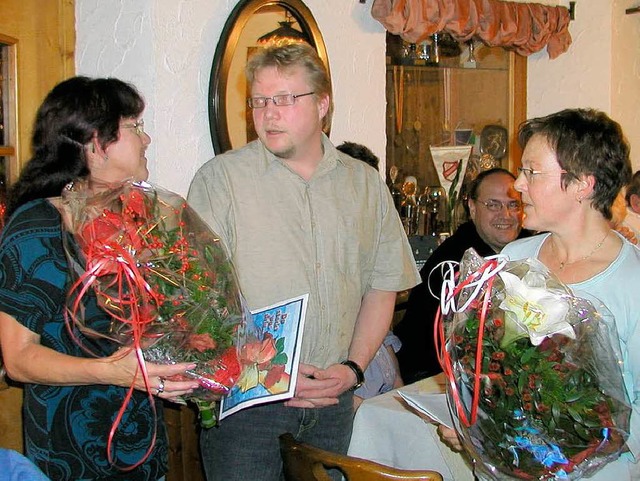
(224, 54)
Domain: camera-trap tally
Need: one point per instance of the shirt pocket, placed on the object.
(355, 245)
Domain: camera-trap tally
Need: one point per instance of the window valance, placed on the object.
(523, 27)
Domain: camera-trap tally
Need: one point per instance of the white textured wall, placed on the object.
(166, 48)
(625, 73)
(600, 70)
(581, 76)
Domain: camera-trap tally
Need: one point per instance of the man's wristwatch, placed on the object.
(357, 371)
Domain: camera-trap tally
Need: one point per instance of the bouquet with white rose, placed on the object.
(534, 372)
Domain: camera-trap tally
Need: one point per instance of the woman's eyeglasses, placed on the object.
(497, 206)
(138, 126)
(529, 174)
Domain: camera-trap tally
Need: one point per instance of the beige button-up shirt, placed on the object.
(334, 237)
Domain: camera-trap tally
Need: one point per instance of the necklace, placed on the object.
(564, 264)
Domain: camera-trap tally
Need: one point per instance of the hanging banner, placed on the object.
(448, 161)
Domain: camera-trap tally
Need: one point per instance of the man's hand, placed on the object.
(318, 388)
(450, 438)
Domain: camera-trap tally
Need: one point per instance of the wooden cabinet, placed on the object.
(184, 448)
(428, 102)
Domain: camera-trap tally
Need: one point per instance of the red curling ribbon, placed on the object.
(445, 359)
(135, 296)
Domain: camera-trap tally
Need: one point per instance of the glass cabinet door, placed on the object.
(442, 94)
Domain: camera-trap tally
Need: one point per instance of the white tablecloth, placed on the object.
(387, 431)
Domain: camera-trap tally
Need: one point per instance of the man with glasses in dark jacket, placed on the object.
(495, 211)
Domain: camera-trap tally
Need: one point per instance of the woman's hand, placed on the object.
(26, 360)
(166, 381)
(450, 438)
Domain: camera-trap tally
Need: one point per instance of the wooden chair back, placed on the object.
(304, 462)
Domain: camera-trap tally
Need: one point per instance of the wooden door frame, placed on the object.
(42, 39)
(38, 40)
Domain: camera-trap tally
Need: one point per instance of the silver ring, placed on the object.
(160, 386)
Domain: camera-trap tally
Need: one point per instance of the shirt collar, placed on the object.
(329, 160)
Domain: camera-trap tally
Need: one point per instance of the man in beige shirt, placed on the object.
(297, 217)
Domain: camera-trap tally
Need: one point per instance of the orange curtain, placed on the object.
(523, 27)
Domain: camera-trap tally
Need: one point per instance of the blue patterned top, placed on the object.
(66, 427)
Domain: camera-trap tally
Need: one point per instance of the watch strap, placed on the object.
(357, 370)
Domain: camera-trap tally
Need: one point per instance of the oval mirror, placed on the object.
(230, 119)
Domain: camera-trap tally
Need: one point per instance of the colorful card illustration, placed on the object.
(270, 358)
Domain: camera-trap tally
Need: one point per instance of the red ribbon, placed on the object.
(136, 298)
(444, 357)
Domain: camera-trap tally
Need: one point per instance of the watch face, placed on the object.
(493, 141)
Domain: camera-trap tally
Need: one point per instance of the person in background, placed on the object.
(631, 220)
(383, 373)
(620, 217)
(495, 215)
(85, 129)
(299, 217)
(574, 164)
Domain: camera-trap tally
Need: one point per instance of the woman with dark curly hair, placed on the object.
(86, 129)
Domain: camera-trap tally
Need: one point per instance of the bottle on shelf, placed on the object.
(435, 49)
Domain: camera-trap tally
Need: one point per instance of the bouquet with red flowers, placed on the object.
(534, 372)
(162, 275)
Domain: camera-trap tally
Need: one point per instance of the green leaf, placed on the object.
(280, 358)
(528, 354)
(522, 380)
(574, 414)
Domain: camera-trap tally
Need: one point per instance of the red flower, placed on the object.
(260, 353)
(110, 230)
(202, 342)
(498, 356)
(105, 227)
(227, 368)
(274, 375)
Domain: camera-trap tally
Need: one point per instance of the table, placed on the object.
(389, 432)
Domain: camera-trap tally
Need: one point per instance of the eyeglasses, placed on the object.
(530, 173)
(497, 206)
(138, 126)
(278, 100)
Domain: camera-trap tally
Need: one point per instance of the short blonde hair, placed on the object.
(286, 56)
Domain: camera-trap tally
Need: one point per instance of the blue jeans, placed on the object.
(245, 445)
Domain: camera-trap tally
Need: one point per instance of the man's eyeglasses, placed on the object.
(497, 206)
(530, 173)
(138, 126)
(278, 100)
